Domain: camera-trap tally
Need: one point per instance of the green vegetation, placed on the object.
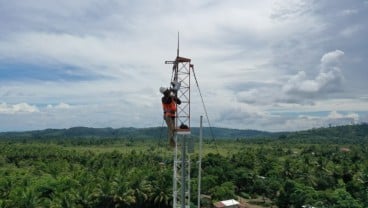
(321, 167)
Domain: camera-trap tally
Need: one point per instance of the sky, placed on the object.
(274, 65)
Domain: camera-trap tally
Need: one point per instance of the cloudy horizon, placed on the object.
(273, 65)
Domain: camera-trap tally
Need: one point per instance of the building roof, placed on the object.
(230, 202)
(226, 203)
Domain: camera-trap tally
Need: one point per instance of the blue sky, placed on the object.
(271, 65)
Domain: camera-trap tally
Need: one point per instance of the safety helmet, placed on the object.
(163, 89)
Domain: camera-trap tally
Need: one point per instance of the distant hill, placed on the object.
(144, 133)
(339, 134)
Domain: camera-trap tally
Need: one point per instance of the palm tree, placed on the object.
(123, 195)
(28, 199)
(161, 195)
(288, 171)
(6, 185)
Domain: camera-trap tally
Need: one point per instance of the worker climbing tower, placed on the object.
(181, 168)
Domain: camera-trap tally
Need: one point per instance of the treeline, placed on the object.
(136, 133)
(340, 134)
(351, 134)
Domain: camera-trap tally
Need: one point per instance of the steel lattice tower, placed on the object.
(181, 167)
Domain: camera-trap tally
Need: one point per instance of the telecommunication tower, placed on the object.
(181, 168)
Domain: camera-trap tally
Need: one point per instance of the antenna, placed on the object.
(177, 50)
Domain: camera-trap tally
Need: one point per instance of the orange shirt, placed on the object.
(169, 108)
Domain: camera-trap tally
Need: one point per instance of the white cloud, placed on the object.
(298, 88)
(248, 118)
(298, 83)
(329, 79)
(351, 117)
(17, 108)
(324, 82)
(59, 106)
(331, 58)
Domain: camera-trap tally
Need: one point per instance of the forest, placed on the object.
(324, 167)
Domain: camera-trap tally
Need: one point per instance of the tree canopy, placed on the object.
(321, 168)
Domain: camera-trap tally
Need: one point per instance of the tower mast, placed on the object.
(181, 167)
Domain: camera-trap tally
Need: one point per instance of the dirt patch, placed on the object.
(256, 203)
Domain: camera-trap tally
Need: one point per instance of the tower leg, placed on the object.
(181, 174)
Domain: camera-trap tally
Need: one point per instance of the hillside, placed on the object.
(140, 133)
(339, 134)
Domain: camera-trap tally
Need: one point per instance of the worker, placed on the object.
(169, 102)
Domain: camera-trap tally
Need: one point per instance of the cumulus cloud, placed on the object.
(328, 80)
(299, 84)
(59, 106)
(331, 58)
(17, 108)
(332, 118)
(337, 118)
(298, 88)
